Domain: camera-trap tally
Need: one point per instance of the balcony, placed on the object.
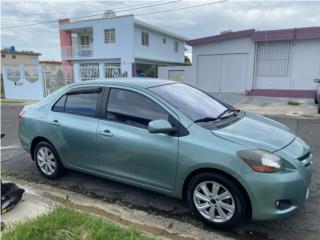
(77, 52)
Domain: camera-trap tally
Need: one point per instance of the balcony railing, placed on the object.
(77, 51)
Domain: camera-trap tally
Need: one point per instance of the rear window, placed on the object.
(82, 104)
(59, 106)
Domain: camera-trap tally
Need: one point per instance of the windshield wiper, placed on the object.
(220, 116)
(206, 119)
(227, 111)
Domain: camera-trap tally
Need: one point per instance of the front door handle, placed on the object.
(106, 133)
(55, 123)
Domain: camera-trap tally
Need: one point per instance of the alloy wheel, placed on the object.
(214, 201)
(46, 160)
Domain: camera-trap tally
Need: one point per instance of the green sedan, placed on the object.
(161, 135)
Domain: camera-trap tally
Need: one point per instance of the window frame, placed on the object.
(176, 46)
(81, 90)
(145, 39)
(260, 60)
(84, 39)
(106, 103)
(110, 30)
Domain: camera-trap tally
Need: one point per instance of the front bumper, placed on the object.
(289, 185)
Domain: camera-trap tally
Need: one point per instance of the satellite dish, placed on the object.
(109, 14)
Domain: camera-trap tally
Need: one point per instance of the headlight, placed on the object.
(261, 161)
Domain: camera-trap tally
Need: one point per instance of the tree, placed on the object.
(187, 60)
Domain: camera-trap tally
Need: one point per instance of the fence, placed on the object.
(37, 81)
(55, 77)
(22, 82)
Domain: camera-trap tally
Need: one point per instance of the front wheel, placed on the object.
(316, 99)
(217, 200)
(47, 160)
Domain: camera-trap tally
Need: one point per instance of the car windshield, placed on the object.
(190, 101)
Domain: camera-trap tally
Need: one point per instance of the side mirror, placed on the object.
(317, 80)
(160, 126)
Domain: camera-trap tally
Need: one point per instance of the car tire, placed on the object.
(237, 203)
(47, 160)
(319, 108)
(316, 99)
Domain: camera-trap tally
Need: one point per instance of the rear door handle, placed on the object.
(55, 123)
(106, 133)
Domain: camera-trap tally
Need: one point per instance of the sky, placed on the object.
(191, 23)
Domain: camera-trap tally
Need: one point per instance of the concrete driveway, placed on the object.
(303, 225)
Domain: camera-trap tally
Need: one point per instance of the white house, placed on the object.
(271, 63)
(117, 45)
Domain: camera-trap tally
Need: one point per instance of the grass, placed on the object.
(293, 103)
(10, 101)
(67, 224)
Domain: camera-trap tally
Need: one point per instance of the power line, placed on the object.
(115, 10)
(94, 15)
(142, 14)
(182, 8)
(68, 13)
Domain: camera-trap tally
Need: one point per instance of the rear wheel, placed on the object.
(217, 200)
(47, 160)
(319, 108)
(316, 99)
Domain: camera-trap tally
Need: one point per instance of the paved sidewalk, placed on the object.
(30, 206)
(41, 198)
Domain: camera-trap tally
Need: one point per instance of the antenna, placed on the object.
(109, 14)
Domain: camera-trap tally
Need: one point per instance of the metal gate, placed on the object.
(56, 76)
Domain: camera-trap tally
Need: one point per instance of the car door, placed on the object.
(126, 148)
(73, 126)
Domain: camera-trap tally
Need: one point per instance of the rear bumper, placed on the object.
(24, 140)
(291, 186)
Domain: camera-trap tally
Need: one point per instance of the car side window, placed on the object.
(82, 104)
(133, 108)
(59, 105)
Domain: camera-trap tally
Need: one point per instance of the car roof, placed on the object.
(130, 82)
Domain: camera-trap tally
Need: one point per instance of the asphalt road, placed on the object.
(302, 225)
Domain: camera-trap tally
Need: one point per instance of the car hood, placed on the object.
(257, 132)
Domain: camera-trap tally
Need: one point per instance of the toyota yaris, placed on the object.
(171, 138)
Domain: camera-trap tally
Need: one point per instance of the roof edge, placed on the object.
(268, 35)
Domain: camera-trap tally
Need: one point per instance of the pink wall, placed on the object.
(66, 40)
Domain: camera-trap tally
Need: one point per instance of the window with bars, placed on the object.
(176, 46)
(272, 58)
(112, 70)
(145, 39)
(110, 35)
(89, 71)
(84, 40)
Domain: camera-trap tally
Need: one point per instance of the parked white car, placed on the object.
(317, 95)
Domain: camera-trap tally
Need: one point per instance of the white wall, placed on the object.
(243, 45)
(23, 89)
(163, 73)
(157, 50)
(304, 67)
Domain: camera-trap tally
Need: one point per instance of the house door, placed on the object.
(222, 72)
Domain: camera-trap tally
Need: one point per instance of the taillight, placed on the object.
(21, 114)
